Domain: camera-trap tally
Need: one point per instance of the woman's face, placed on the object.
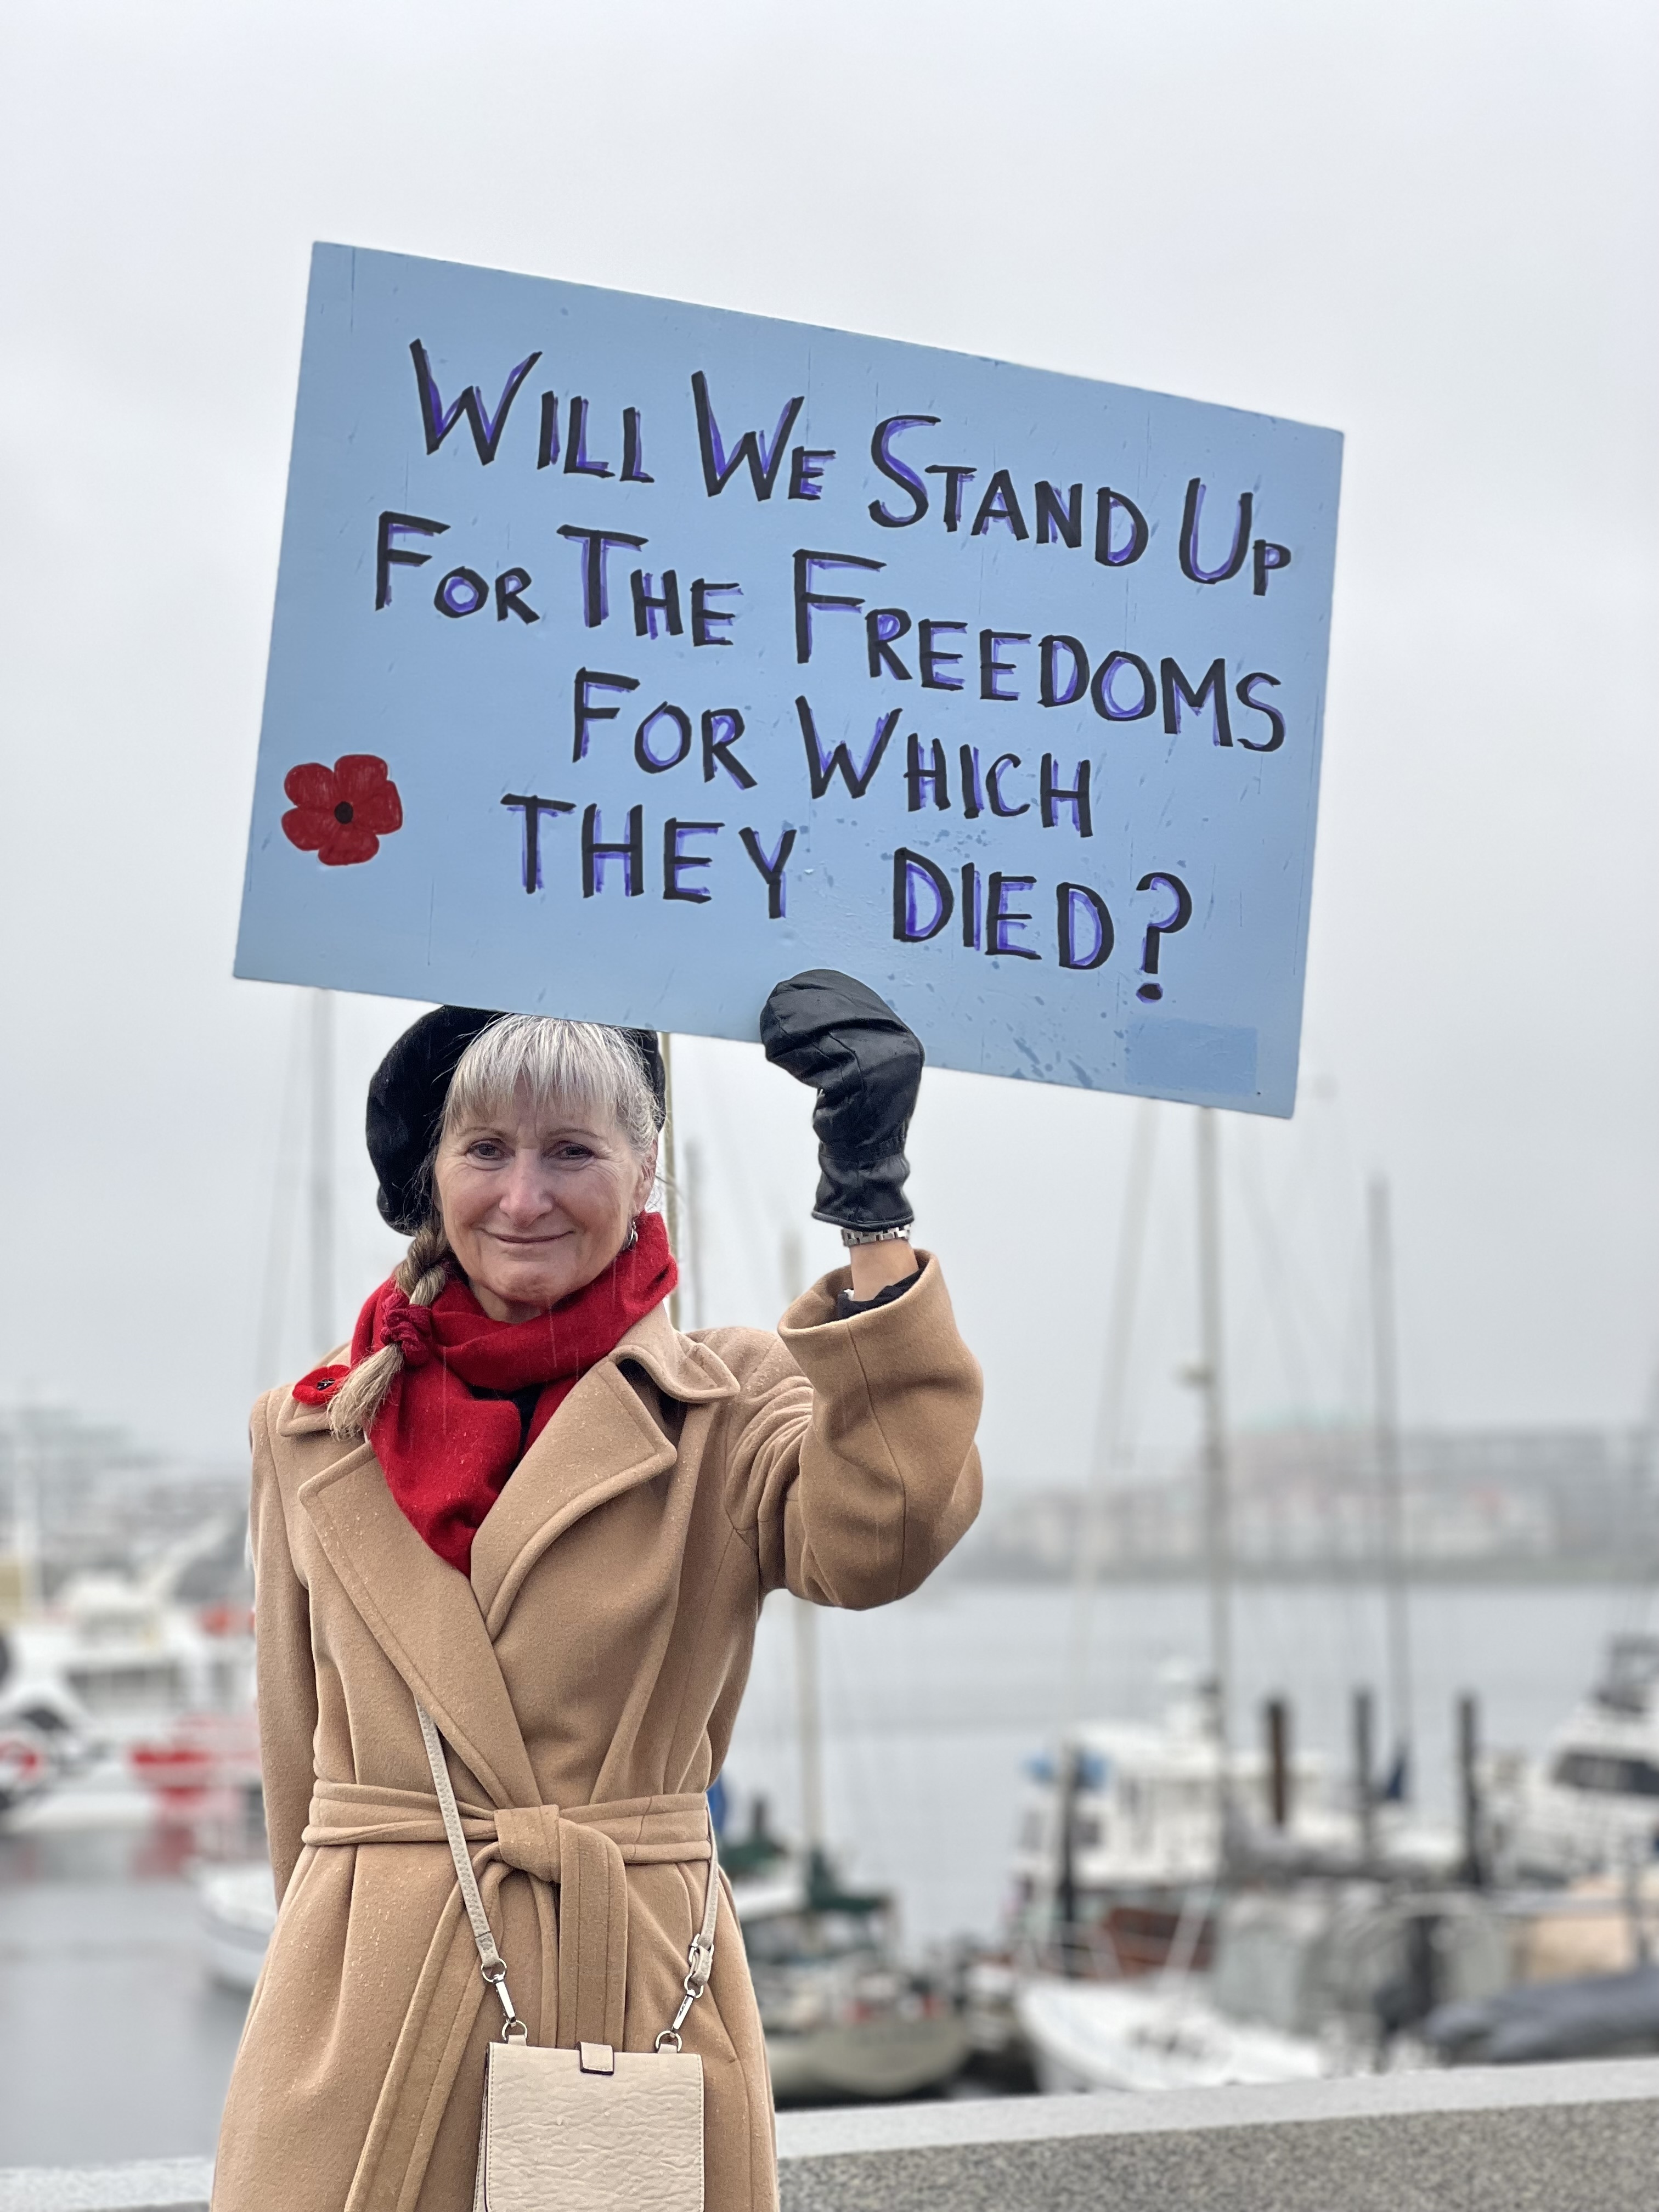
(537, 1203)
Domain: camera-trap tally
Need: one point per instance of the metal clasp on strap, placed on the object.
(494, 1972)
(701, 1960)
(700, 1957)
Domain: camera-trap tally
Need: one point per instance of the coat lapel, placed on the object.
(601, 1442)
(424, 1615)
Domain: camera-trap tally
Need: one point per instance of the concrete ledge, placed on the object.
(1581, 2138)
(159, 2184)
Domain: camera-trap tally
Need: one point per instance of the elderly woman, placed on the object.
(527, 1504)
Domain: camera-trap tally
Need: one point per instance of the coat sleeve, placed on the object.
(285, 1673)
(855, 1469)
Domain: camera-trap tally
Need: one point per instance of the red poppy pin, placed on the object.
(341, 813)
(320, 1386)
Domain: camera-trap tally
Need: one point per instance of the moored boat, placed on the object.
(1591, 1803)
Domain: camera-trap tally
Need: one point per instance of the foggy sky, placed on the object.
(1428, 226)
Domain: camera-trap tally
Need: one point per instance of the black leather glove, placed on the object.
(835, 1034)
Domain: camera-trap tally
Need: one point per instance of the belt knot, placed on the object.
(528, 1836)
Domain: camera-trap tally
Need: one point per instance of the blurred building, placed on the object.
(77, 1497)
(1577, 1501)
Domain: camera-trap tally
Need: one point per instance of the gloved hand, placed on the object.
(835, 1034)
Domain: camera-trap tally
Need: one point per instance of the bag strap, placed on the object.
(492, 1964)
(699, 1958)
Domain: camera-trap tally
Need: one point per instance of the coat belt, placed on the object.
(584, 1849)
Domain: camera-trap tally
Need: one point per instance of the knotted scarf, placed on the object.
(447, 1454)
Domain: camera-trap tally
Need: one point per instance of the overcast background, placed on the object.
(1430, 226)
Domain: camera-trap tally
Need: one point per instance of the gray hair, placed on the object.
(554, 1063)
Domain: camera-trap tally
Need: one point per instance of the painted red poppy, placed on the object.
(320, 1386)
(341, 813)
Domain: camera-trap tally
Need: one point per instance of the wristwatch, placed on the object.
(900, 1235)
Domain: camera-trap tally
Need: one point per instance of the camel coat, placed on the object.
(585, 1677)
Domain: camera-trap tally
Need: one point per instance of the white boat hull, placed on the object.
(239, 1911)
(1089, 2036)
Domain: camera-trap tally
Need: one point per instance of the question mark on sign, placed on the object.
(1158, 931)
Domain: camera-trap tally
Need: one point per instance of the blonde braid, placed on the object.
(420, 1275)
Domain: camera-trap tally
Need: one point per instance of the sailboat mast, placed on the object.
(696, 1301)
(670, 1180)
(809, 1726)
(322, 1172)
(1211, 1380)
(1111, 1410)
(26, 1510)
(1385, 1370)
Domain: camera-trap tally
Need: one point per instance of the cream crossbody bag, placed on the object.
(592, 2129)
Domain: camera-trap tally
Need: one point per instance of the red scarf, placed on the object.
(448, 1455)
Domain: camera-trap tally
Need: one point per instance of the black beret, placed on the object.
(406, 1096)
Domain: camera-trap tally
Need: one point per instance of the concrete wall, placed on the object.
(1526, 2139)
(1519, 2139)
(169, 2184)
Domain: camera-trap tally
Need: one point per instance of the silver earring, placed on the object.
(633, 1234)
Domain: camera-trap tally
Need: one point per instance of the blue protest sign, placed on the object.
(629, 656)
